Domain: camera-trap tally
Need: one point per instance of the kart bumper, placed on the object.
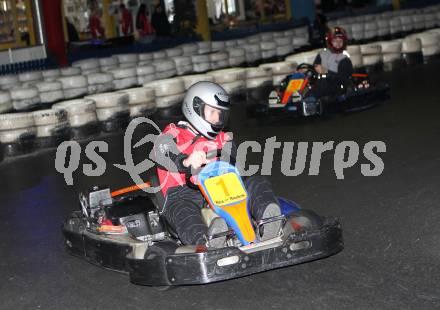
(233, 262)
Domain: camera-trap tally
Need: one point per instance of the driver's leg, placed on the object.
(263, 204)
(183, 213)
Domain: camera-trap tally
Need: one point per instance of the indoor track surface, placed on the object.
(391, 222)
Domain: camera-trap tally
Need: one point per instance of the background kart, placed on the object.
(123, 231)
(291, 97)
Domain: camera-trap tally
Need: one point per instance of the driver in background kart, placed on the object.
(333, 64)
(182, 147)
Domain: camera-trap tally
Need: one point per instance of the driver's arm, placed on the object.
(167, 155)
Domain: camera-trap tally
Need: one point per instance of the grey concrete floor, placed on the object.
(391, 222)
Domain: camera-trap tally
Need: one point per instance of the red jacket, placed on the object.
(126, 22)
(184, 140)
(96, 29)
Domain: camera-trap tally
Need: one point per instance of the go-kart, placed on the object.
(123, 231)
(295, 95)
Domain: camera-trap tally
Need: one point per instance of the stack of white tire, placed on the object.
(418, 22)
(159, 55)
(371, 55)
(141, 101)
(5, 102)
(189, 49)
(253, 52)
(169, 92)
(145, 73)
(391, 53)
(204, 47)
(412, 50)
(217, 46)
(259, 83)
(81, 114)
(183, 64)
(74, 86)
(52, 127)
(301, 37)
(173, 52)
(30, 78)
(284, 46)
(24, 98)
(87, 66)
(99, 82)
(165, 69)
(70, 71)
(383, 27)
(233, 80)
(190, 80)
(237, 56)
(17, 133)
(357, 31)
(370, 30)
(395, 26)
(127, 60)
(430, 43)
(50, 92)
(407, 23)
(304, 57)
(145, 59)
(354, 52)
(201, 63)
(280, 70)
(124, 77)
(112, 110)
(268, 50)
(219, 60)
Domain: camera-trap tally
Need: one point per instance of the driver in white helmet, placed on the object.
(182, 147)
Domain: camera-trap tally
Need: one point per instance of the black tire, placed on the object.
(160, 251)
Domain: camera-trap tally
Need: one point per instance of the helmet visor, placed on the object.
(213, 115)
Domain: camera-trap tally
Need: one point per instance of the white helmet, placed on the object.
(206, 107)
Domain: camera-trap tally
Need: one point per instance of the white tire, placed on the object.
(237, 52)
(174, 52)
(20, 93)
(218, 45)
(145, 70)
(268, 54)
(284, 50)
(30, 76)
(78, 106)
(166, 74)
(107, 69)
(6, 107)
(431, 50)
(236, 61)
(5, 97)
(48, 86)
(159, 55)
(390, 47)
(169, 101)
(253, 40)
(164, 65)
(26, 104)
(142, 79)
(278, 68)
(189, 49)
(70, 71)
(182, 61)
(125, 83)
(108, 62)
(79, 120)
(86, 64)
(127, 65)
(196, 59)
(201, 67)
(357, 61)
(100, 88)
(190, 80)
(91, 71)
(75, 92)
(411, 45)
(139, 95)
(390, 57)
(123, 73)
(48, 130)
(142, 109)
(268, 46)
(49, 117)
(51, 74)
(299, 42)
(109, 100)
(204, 45)
(369, 60)
(252, 48)
(74, 81)
(99, 78)
(234, 87)
(108, 113)
(276, 79)
(9, 79)
(428, 38)
(231, 43)
(251, 57)
(15, 121)
(51, 96)
(258, 72)
(11, 136)
(184, 69)
(228, 75)
(145, 57)
(219, 56)
(258, 82)
(167, 87)
(124, 58)
(283, 41)
(354, 49)
(371, 49)
(220, 64)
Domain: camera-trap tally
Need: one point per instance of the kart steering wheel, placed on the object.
(309, 70)
(188, 174)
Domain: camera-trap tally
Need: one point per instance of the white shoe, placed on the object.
(272, 229)
(218, 225)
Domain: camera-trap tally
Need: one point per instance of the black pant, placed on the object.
(183, 205)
